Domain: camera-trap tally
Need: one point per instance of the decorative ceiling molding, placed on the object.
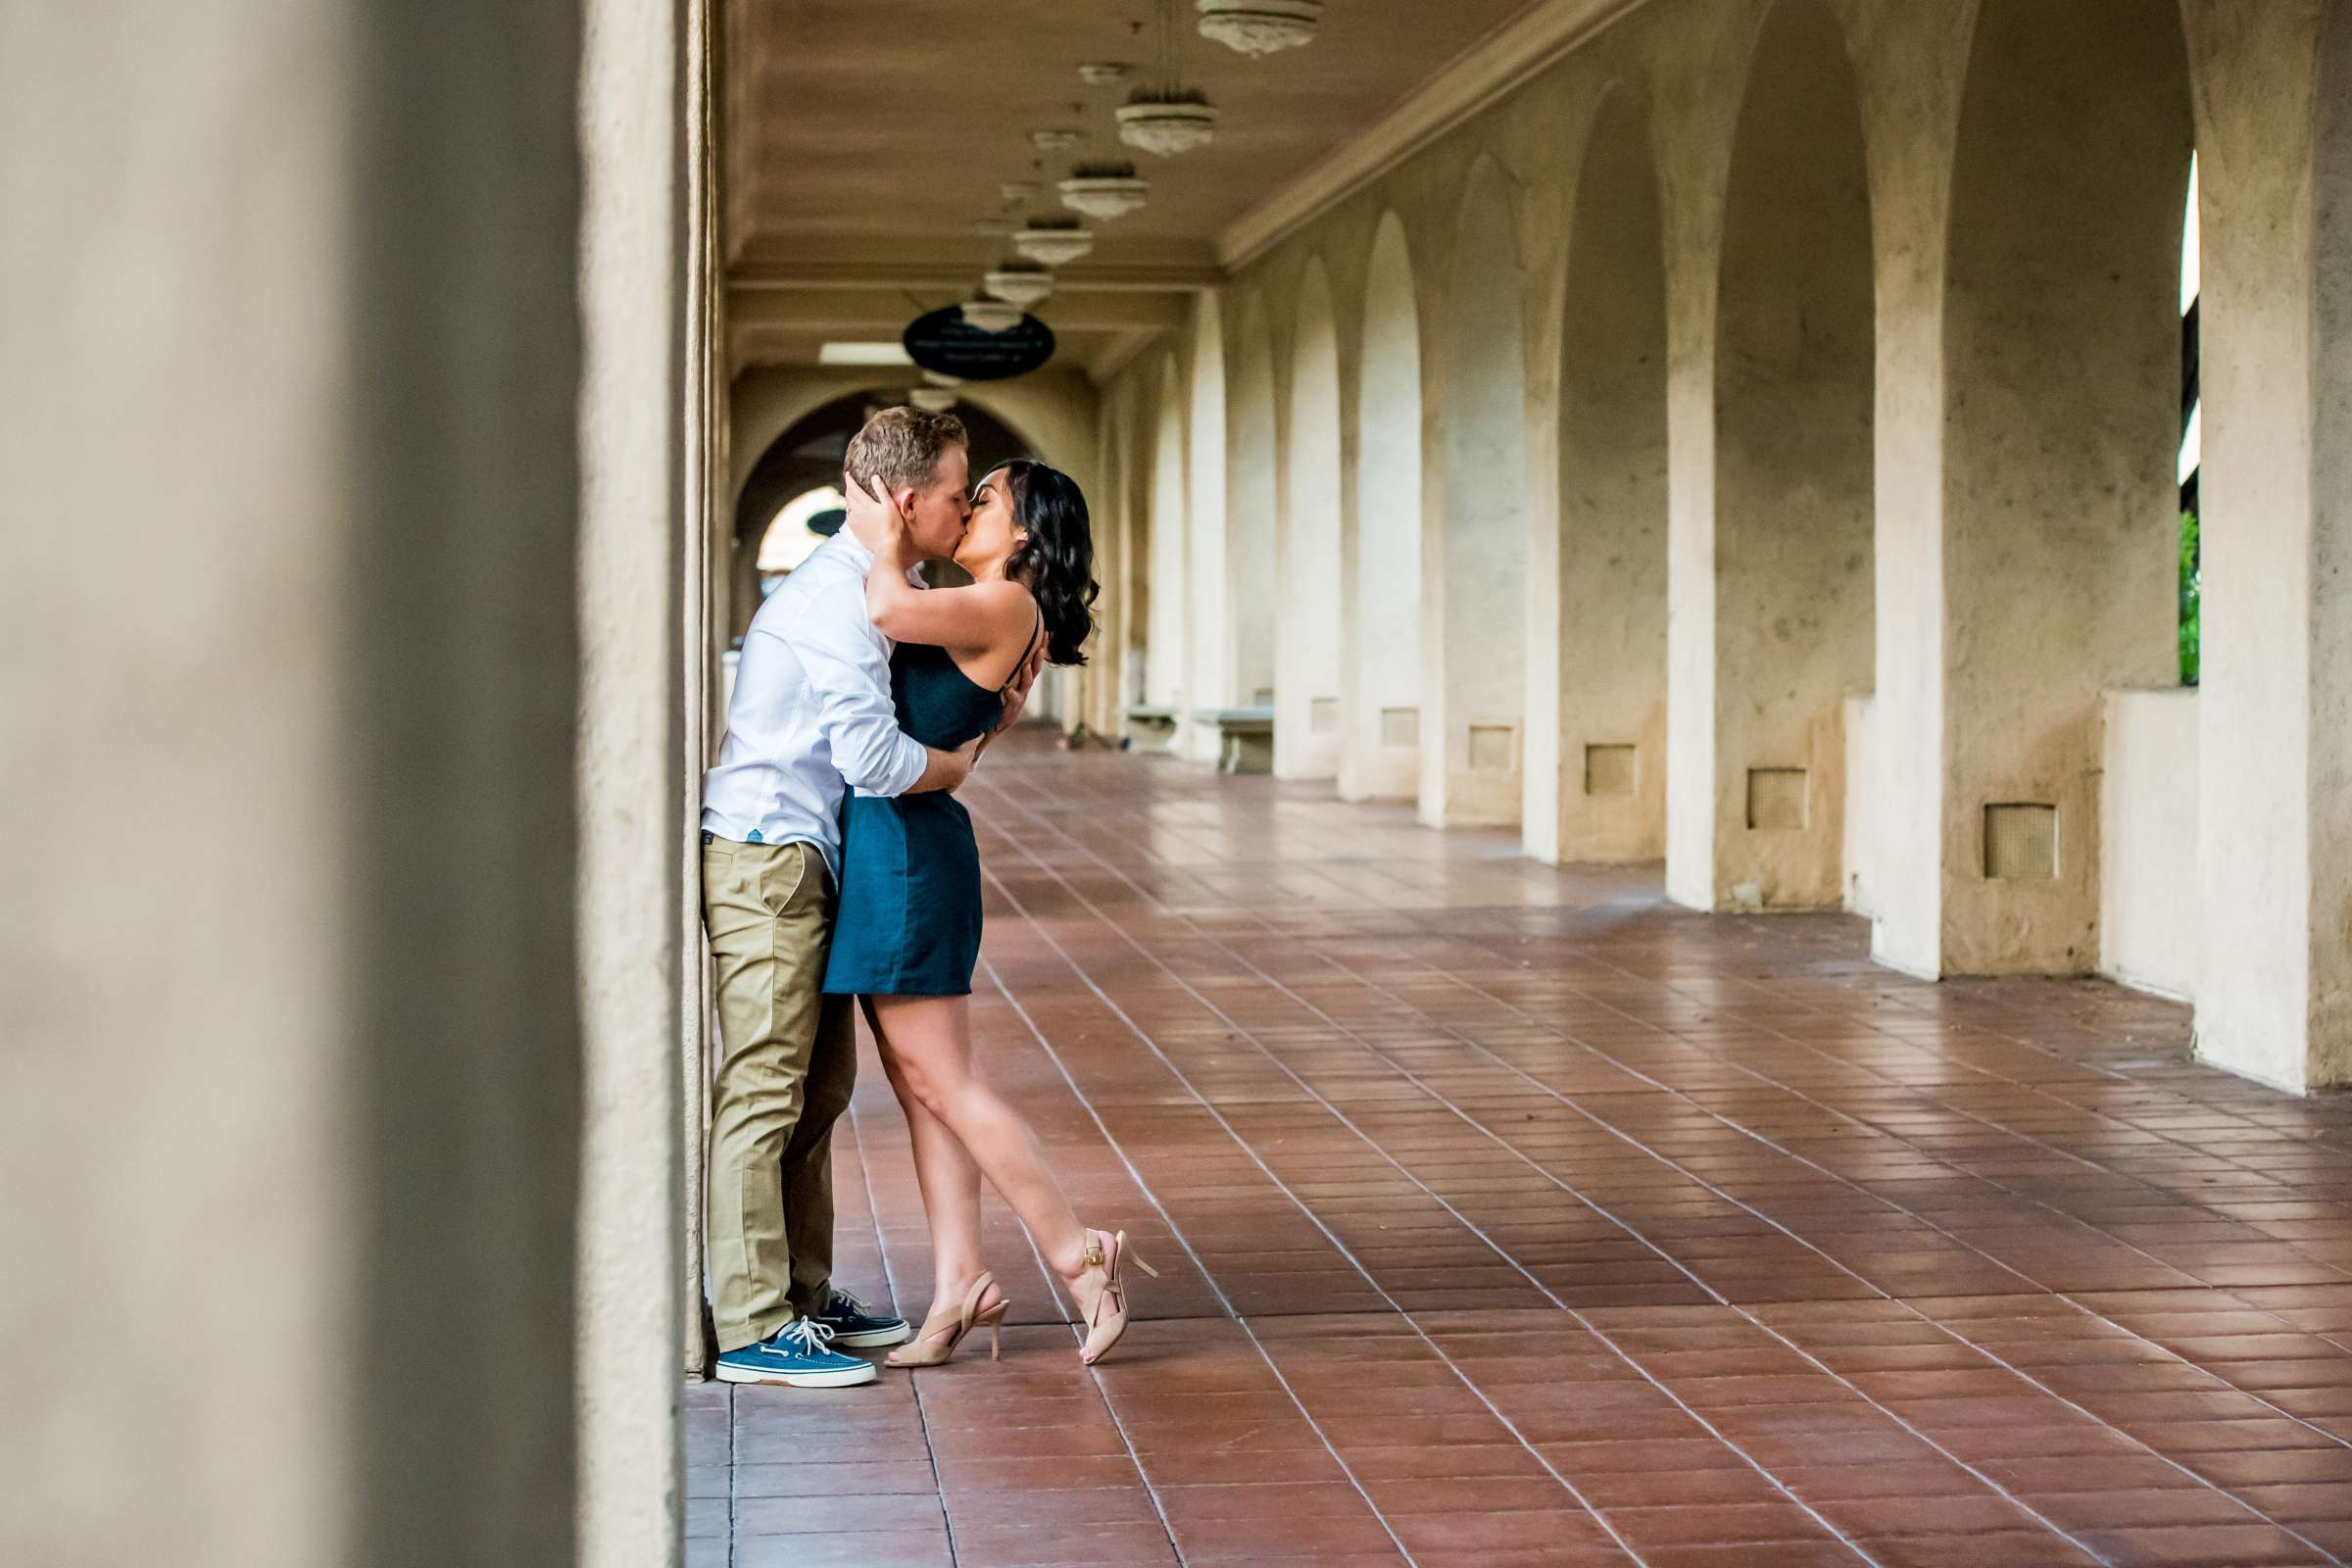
(1482, 75)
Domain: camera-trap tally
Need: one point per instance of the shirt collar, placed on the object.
(855, 547)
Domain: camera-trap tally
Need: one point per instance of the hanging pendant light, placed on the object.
(1052, 241)
(990, 316)
(1105, 191)
(1260, 27)
(1167, 118)
(1019, 283)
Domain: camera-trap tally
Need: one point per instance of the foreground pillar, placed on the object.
(643, 451)
(2275, 713)
(291, 994)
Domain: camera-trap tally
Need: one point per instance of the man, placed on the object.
(811, 715)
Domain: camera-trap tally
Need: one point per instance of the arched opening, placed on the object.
(1251, 524)
(800, 526)
(807, 455)
(1209, 595)
(1165, 657)
(1612, 643)
(1792, 556)
(1382, 757)
(2061, 436)
(1307, 648)
(1470, 755)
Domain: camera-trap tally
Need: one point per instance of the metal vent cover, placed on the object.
(1777, 800)
(2021, 842)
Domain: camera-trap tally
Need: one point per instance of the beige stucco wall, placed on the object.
(290, 1101)
(2015, 465)
(2148, 914)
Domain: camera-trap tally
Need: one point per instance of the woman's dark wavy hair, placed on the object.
(1058, 560)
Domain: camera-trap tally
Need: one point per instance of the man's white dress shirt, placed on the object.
(812, 712)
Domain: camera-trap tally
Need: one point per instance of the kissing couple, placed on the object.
(839, 871)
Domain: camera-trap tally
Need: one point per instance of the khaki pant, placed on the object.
(788, 1065)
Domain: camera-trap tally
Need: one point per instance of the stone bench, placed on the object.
(1149, 729)
(1244, 738)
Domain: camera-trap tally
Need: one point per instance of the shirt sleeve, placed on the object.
(848, 665)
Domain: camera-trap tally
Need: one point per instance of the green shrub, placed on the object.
(2189, 592)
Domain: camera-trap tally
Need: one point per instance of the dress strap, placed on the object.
(1027, 648)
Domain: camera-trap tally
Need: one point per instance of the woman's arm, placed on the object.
(970, 620)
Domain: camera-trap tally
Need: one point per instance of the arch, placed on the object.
(1207, 597)
(1306, 633)
(1253, 518)
(808, 453)
(1166, 667)
(1381, 757)
(1761, 818)
(1470, 750)
(1612, 642)
(2061, 427)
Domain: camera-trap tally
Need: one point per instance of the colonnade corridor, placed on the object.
(1509, 1214)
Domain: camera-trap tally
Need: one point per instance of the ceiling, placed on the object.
(865, 141)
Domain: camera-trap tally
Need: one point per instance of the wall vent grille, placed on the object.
(1777, 800)
(2021, 842)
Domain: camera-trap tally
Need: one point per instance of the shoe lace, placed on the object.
(844, 1305)
(806, 1335)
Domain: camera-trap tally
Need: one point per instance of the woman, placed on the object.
(908, 928)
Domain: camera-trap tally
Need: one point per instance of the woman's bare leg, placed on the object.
(929, 1042)
(950, 1183)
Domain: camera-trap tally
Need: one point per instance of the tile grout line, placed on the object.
(1751, 1134)
(1958, 1335)
(1671, 1163)
(873, 1212)
(1988, 1481)
(1176, 1232)
(1093, 1374)
(1582, 1321)
(2020, 1085)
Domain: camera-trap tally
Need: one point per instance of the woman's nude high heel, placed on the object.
(1107, 1251)
(928, 1350)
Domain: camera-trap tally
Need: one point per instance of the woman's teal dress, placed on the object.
(909, 923)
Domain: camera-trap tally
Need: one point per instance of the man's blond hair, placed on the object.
(900, 448)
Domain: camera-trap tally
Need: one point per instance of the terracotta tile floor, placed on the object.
(1509, 1216)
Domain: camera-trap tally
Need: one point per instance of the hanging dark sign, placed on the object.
(945, 342)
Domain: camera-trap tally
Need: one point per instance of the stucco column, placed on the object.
(1911, 62)
(1692, 60)
(640, 107)
(1791, 557)
(1603, 797)
(2274, 714)
(2061, 517)
(290, 1099)
(1208, 634)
